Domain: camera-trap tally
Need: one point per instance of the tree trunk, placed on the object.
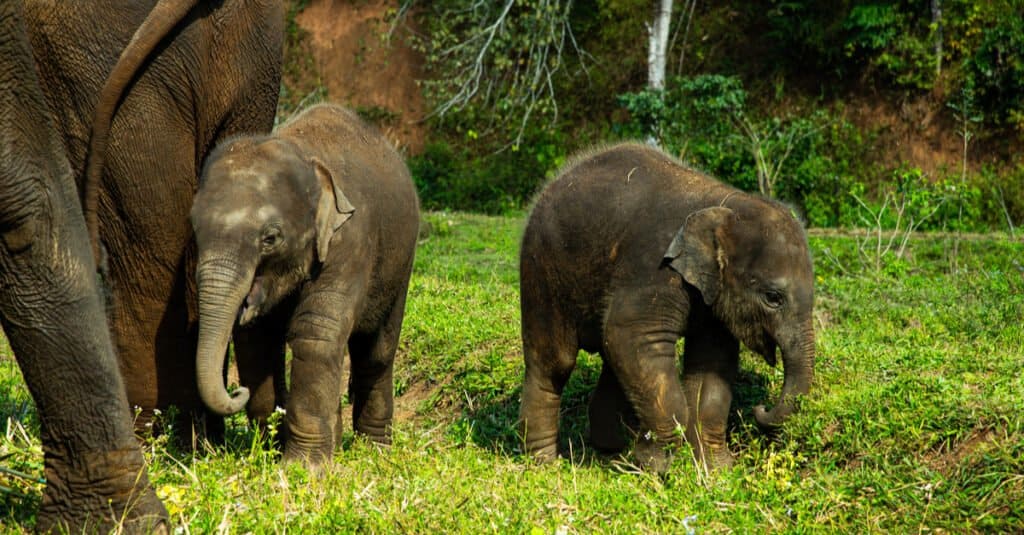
(657, 50)
(937, 22)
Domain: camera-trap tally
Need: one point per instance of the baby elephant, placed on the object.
(626, 252)
(305, 236)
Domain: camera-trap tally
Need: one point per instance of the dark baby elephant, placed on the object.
(52, 315)
(305, 236)
(626, 252)
(144, 90)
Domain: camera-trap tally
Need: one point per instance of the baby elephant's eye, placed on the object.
(774, 298)
(271, 238)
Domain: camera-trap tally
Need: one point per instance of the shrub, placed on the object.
(483, 180)
(704, 120)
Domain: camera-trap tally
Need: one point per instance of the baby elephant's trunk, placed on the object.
(222, 287)
(798, 360)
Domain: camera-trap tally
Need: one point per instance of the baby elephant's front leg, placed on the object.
(312, 415)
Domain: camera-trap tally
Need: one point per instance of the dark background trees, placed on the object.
(819, 103)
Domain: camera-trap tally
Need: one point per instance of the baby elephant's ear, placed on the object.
(332, 211)
(696, 251)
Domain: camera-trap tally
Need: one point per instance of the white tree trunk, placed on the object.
(937, 21)
(657, 50)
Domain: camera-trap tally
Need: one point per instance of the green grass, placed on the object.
(915, 421)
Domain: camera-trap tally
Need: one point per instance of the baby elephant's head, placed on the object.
(263, 215)
(751, 265)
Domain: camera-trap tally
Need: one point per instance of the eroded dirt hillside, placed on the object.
(351, 52)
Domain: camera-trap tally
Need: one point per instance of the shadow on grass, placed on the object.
(491, 423)
(491, 420)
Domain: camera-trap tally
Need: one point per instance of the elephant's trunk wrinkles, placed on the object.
(222, 287)
(798, 359)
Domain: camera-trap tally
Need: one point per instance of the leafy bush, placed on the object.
(892, 40)
(704, 120)
(694, 118)
(454, 178)
(995, 69)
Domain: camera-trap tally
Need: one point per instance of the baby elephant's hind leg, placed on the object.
(550, 358)
(609, 412)
(371, 387)
(710, 365)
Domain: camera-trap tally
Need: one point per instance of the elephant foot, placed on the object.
(653, 454)
(312, 461)
(543, 454)
(718, 457)
(710, 449)
(540, 442)
(100, 492)
(377, 432)
(312, 455)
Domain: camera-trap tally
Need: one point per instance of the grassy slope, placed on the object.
(916, 419)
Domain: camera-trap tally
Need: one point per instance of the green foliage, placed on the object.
(995, 69)
(772, 115)
(449, 177)
(705, 120)
(893, 39)
(300, 84)
(694, 118)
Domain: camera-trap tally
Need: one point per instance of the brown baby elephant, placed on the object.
(624, 253)
(305, 236)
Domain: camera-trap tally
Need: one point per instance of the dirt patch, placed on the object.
(410, 400)
(922, 132)
(361, 67)
(945, 462)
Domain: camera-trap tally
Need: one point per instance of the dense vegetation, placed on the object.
(758, 95)
(914, 422)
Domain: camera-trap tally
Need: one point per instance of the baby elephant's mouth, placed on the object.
(768, 349)
(251, 306)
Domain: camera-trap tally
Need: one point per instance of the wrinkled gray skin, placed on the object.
(306, 236)
(626, 252)
(199, 73)
(52, 315)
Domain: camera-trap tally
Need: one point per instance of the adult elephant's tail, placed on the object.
(166, 14)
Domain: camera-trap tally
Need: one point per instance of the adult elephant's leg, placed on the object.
(371, 384)
(609, 412)
(639, 343)
(710, 364)
(52, 315)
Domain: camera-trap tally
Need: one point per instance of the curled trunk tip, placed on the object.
(231, 404)
(771, 419)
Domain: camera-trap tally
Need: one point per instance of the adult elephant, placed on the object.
(51, 313)
(194, 74)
